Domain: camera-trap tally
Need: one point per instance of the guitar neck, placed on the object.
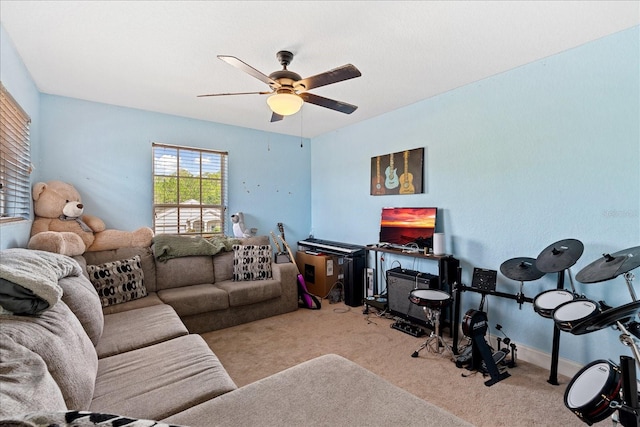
(281, 230)
(273, 236)
(293, 260)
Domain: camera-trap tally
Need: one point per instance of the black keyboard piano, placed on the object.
(330, 247)
(351, 261)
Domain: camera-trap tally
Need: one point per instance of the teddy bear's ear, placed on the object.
(38, 188)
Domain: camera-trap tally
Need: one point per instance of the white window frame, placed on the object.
(181, 216)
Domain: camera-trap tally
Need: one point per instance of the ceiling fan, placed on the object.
(289, 90)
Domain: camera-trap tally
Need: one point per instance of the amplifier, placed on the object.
(400, 283)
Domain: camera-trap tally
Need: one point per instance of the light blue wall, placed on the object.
(515, 163)
(105, 152)
(17, 80)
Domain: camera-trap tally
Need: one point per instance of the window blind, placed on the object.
(15, 160)
(189, 190)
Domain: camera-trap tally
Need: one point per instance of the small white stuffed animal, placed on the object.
(239, 230)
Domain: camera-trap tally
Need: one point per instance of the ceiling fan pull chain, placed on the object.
(301, 118)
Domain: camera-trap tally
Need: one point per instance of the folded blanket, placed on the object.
(167, 246)
(36, 271)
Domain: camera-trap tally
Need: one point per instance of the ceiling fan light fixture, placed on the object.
(285, 104)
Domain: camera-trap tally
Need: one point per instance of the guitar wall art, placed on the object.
(398, 173)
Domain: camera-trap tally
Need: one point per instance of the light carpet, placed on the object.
(258, 349)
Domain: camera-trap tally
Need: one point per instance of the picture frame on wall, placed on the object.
(398, 173)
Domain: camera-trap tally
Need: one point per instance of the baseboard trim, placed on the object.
(566, 367)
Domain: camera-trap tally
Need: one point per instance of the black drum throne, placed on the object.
(432, 302)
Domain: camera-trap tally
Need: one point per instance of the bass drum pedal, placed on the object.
(498, 358)
(475, 325)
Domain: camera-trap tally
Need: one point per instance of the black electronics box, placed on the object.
(484, 279)
(400, 283)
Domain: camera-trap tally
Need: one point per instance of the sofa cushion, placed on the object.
(196, 299)
(184, 271)
(251, 292)
(82, 298)
(59, 338)
(118, 281)
(158, 381)
(146, 261)
(133, 329)
(326, 391)
(27, 385)
(150, 300)
(223, 266)
(252, 262)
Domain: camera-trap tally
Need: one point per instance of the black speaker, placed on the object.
(448, 268)
(400, 283)
(353, 270)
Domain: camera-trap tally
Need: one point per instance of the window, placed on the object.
(189, 190)
(15, 160)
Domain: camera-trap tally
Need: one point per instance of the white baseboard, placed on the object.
(539, 358)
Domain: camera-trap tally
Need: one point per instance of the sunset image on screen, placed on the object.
(406, 225)
(409, 217)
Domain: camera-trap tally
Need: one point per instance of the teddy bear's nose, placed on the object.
(80, 205)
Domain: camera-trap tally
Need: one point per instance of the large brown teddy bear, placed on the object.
(60, 226)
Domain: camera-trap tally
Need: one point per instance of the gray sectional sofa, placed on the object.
(143, 359)
(201, 289)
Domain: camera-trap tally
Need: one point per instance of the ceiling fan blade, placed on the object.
(339, 74)
(342, 107)
(275, 117)
(232, 60)
(235, 93)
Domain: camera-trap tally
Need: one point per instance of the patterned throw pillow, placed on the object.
(118, 281)
(251, 262)
(82, 419)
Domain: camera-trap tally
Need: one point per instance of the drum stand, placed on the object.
(629, 409)
(434, 342)
(628, 278)
(555, 350)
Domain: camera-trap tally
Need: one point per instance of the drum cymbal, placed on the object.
(607, 318)
(559, 256)
(610, 266)
(521, 269)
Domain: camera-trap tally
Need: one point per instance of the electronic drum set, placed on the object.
(601, 387)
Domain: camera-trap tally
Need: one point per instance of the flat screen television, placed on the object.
(402, 226)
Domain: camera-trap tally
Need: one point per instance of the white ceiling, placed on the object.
(158, 55)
